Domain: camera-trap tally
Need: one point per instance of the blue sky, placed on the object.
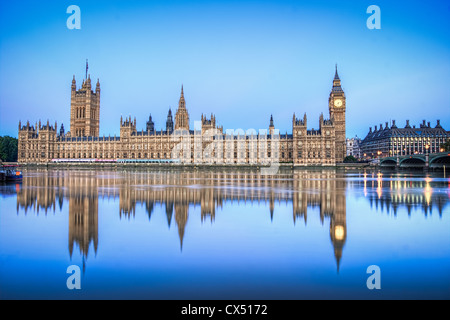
(241, 60)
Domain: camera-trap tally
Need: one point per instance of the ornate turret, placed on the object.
(88, 82)
(209, 124)
(182, 116)
(271, 126)
(62, 131)
(169, 122)
(150, 125)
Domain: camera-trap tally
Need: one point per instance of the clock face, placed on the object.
(338, 103)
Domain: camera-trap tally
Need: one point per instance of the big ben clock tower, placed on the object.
(337, 106)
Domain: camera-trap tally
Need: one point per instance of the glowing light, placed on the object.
(339, 232)
(428, 191)
(379, 184)
(365, 184)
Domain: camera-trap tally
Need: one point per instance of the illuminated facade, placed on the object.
(391, 141)
(43, 143)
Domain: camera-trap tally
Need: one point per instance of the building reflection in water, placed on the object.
(305, 189)
(388, 192)
(83, 216)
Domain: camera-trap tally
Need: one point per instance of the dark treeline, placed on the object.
(446, 146)
(8, 149)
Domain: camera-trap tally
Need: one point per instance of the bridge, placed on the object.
(426, 161)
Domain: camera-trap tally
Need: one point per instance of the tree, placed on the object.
(8, 149)
(350, 159)
(446, 146)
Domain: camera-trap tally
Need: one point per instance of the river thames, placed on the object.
(225, 234)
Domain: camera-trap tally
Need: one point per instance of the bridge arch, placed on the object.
(440, 161)
(412, 162)
(388, 162)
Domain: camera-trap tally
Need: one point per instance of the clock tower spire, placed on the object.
(337, 107)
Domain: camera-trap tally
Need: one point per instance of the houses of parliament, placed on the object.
(44, 143)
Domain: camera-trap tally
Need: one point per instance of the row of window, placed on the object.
(314, 155)
(164, 155)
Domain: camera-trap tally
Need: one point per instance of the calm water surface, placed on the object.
(225, 235)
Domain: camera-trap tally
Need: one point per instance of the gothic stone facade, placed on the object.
(42, 143)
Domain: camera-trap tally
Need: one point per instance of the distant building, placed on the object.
(354, 147)
(392, 141)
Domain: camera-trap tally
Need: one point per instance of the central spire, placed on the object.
(182, 102)
(182, 116)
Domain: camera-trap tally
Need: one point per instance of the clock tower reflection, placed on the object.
(321, 193)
